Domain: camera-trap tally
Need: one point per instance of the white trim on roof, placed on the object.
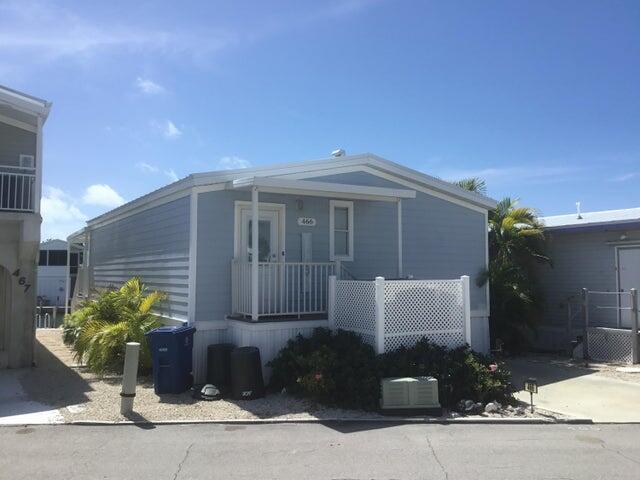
(18, 124)
(24, 103)
(322, 189)
(212, 181)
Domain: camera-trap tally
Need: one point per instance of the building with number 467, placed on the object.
(21, 120)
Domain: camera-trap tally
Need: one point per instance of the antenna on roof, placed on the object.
(338, 153)
(578, 209)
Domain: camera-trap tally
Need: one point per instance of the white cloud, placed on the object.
(60, 216)
(232, 163)
(625, 177)
(36, 32)
(149, 87)
(167, 128)
(102, 195)
(147, 167)
(172, 175)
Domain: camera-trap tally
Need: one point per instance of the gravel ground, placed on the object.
(81, 395)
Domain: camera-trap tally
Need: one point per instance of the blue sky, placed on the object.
(542, 99)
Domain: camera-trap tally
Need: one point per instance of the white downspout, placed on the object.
(255, 218)
(38, 192)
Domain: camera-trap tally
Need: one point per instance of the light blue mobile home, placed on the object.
(354, 217)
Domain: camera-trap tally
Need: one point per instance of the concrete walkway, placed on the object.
(577, 391)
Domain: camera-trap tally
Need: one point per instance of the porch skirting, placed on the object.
(269, 337)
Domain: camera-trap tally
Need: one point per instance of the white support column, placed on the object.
(255, 218)
(400, 271)
(331, 306)
(38, 185)
(67, 285)
(380, 315)
(466, 307)
(193, 252)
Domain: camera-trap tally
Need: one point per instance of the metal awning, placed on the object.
(321, 189)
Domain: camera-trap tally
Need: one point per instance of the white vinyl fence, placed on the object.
(391, 313)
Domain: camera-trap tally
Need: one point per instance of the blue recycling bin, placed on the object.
(171, 355)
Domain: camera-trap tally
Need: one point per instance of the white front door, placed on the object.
(268, 235)
(629, 275)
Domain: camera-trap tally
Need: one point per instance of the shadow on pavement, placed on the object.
(545, 369)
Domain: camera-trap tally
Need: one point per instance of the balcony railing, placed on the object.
(17, 191)
(294, 288)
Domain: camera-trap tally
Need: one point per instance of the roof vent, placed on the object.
(338, 153)
(578, 211)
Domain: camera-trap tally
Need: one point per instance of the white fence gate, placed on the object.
(393, 313)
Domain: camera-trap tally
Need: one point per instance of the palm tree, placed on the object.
(516, 246)
(105, 324)
(473, 184)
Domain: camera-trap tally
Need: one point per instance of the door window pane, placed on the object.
(264, 239)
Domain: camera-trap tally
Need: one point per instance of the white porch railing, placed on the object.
(17, 191)
(391, 313)
(284, 288)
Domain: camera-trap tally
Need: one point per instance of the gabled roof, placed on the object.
(309, 169)
(24, 103)
(593, 220)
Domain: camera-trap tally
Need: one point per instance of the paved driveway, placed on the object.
(601, 395)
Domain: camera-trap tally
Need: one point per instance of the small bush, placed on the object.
(335, 369)
(98, 331)
(461, 373)
(338, 369)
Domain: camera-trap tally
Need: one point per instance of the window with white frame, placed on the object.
(340, 230)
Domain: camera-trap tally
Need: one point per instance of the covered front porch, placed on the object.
(267, 286)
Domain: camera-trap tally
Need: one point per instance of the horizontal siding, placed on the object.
(441, 240)
(580, 260)
(153, 245)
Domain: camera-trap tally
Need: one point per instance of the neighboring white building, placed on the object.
(52, 272)
(21, 119)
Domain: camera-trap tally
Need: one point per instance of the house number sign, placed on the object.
(306, 222)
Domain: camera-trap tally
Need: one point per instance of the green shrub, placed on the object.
(338, 369)
(335, 369)
(461, 373)
(98, 331)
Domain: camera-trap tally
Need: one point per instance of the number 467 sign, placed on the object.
(22, 280)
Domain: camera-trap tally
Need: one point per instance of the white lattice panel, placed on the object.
(423, 308)
(355, 307)
(610, 344)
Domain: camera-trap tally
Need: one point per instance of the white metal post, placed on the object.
(255, 218)
(400, 272)
(331, 307)
(379, 314)
(466, 307)
(634, 325)
(585, 312)
(129, 377)
(67, 285)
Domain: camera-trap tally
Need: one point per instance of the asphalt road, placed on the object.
(311, 451)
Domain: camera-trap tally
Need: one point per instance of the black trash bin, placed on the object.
(171, 353)
(246, 374)
(218, 365)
